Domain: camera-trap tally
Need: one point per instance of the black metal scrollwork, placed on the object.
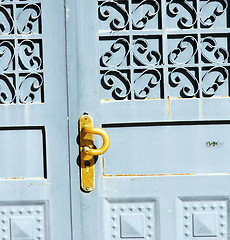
(217, 76)
(143, 56)
(119, 19)
(150, 8)
(28, 16)
(184, 22)
(29, 87)
(149, 78)
(219, 9)
(117, 82)
(28, 59)
(185, 51)
(179, 75)
(211, 53)
(6, 55)
(117, 54)
(6, 23)
(7, 90)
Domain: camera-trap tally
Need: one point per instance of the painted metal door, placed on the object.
(155, 75)
(34, 173)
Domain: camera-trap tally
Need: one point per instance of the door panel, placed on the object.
(34, 175)
(167, 148)
(155, 75)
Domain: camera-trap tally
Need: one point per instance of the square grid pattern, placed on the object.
(21, 54)
(154, 49)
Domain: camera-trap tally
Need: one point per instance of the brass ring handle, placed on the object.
(105, 137)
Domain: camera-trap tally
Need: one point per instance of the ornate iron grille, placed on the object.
(154, 49)
(21, 60)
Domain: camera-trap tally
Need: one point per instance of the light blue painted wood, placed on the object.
(155, 74)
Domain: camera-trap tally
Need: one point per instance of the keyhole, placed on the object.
(87, 165)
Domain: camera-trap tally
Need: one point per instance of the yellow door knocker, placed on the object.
(88, 152)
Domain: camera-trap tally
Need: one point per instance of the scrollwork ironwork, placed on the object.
(185, 51)
(150, 7)
(151, 78)
(176, 78)
(6, 55)
(219, 9)
(184, 22)
(6, 21)
(7, 90)
(117, 55)
(117, 83)
(218, 54)
(117, 22)
(29, 86)
(143, 56)
(28, 16)
(133, 62)
(219, 76)
(28, 59)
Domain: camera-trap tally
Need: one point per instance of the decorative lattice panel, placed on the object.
(154, 49)
(21, 58)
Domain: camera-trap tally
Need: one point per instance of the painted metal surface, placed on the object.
(34, 175)
(157, 77)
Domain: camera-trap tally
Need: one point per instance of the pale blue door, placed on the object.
(34, 172)
(155, 75)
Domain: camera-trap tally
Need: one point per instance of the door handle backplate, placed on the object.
(87, 151)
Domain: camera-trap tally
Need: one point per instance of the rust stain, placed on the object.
(23, 178)
(14, 178)
(169, 108)
(158, 98)
(162, 174)
(184, 98)
(106, 100)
